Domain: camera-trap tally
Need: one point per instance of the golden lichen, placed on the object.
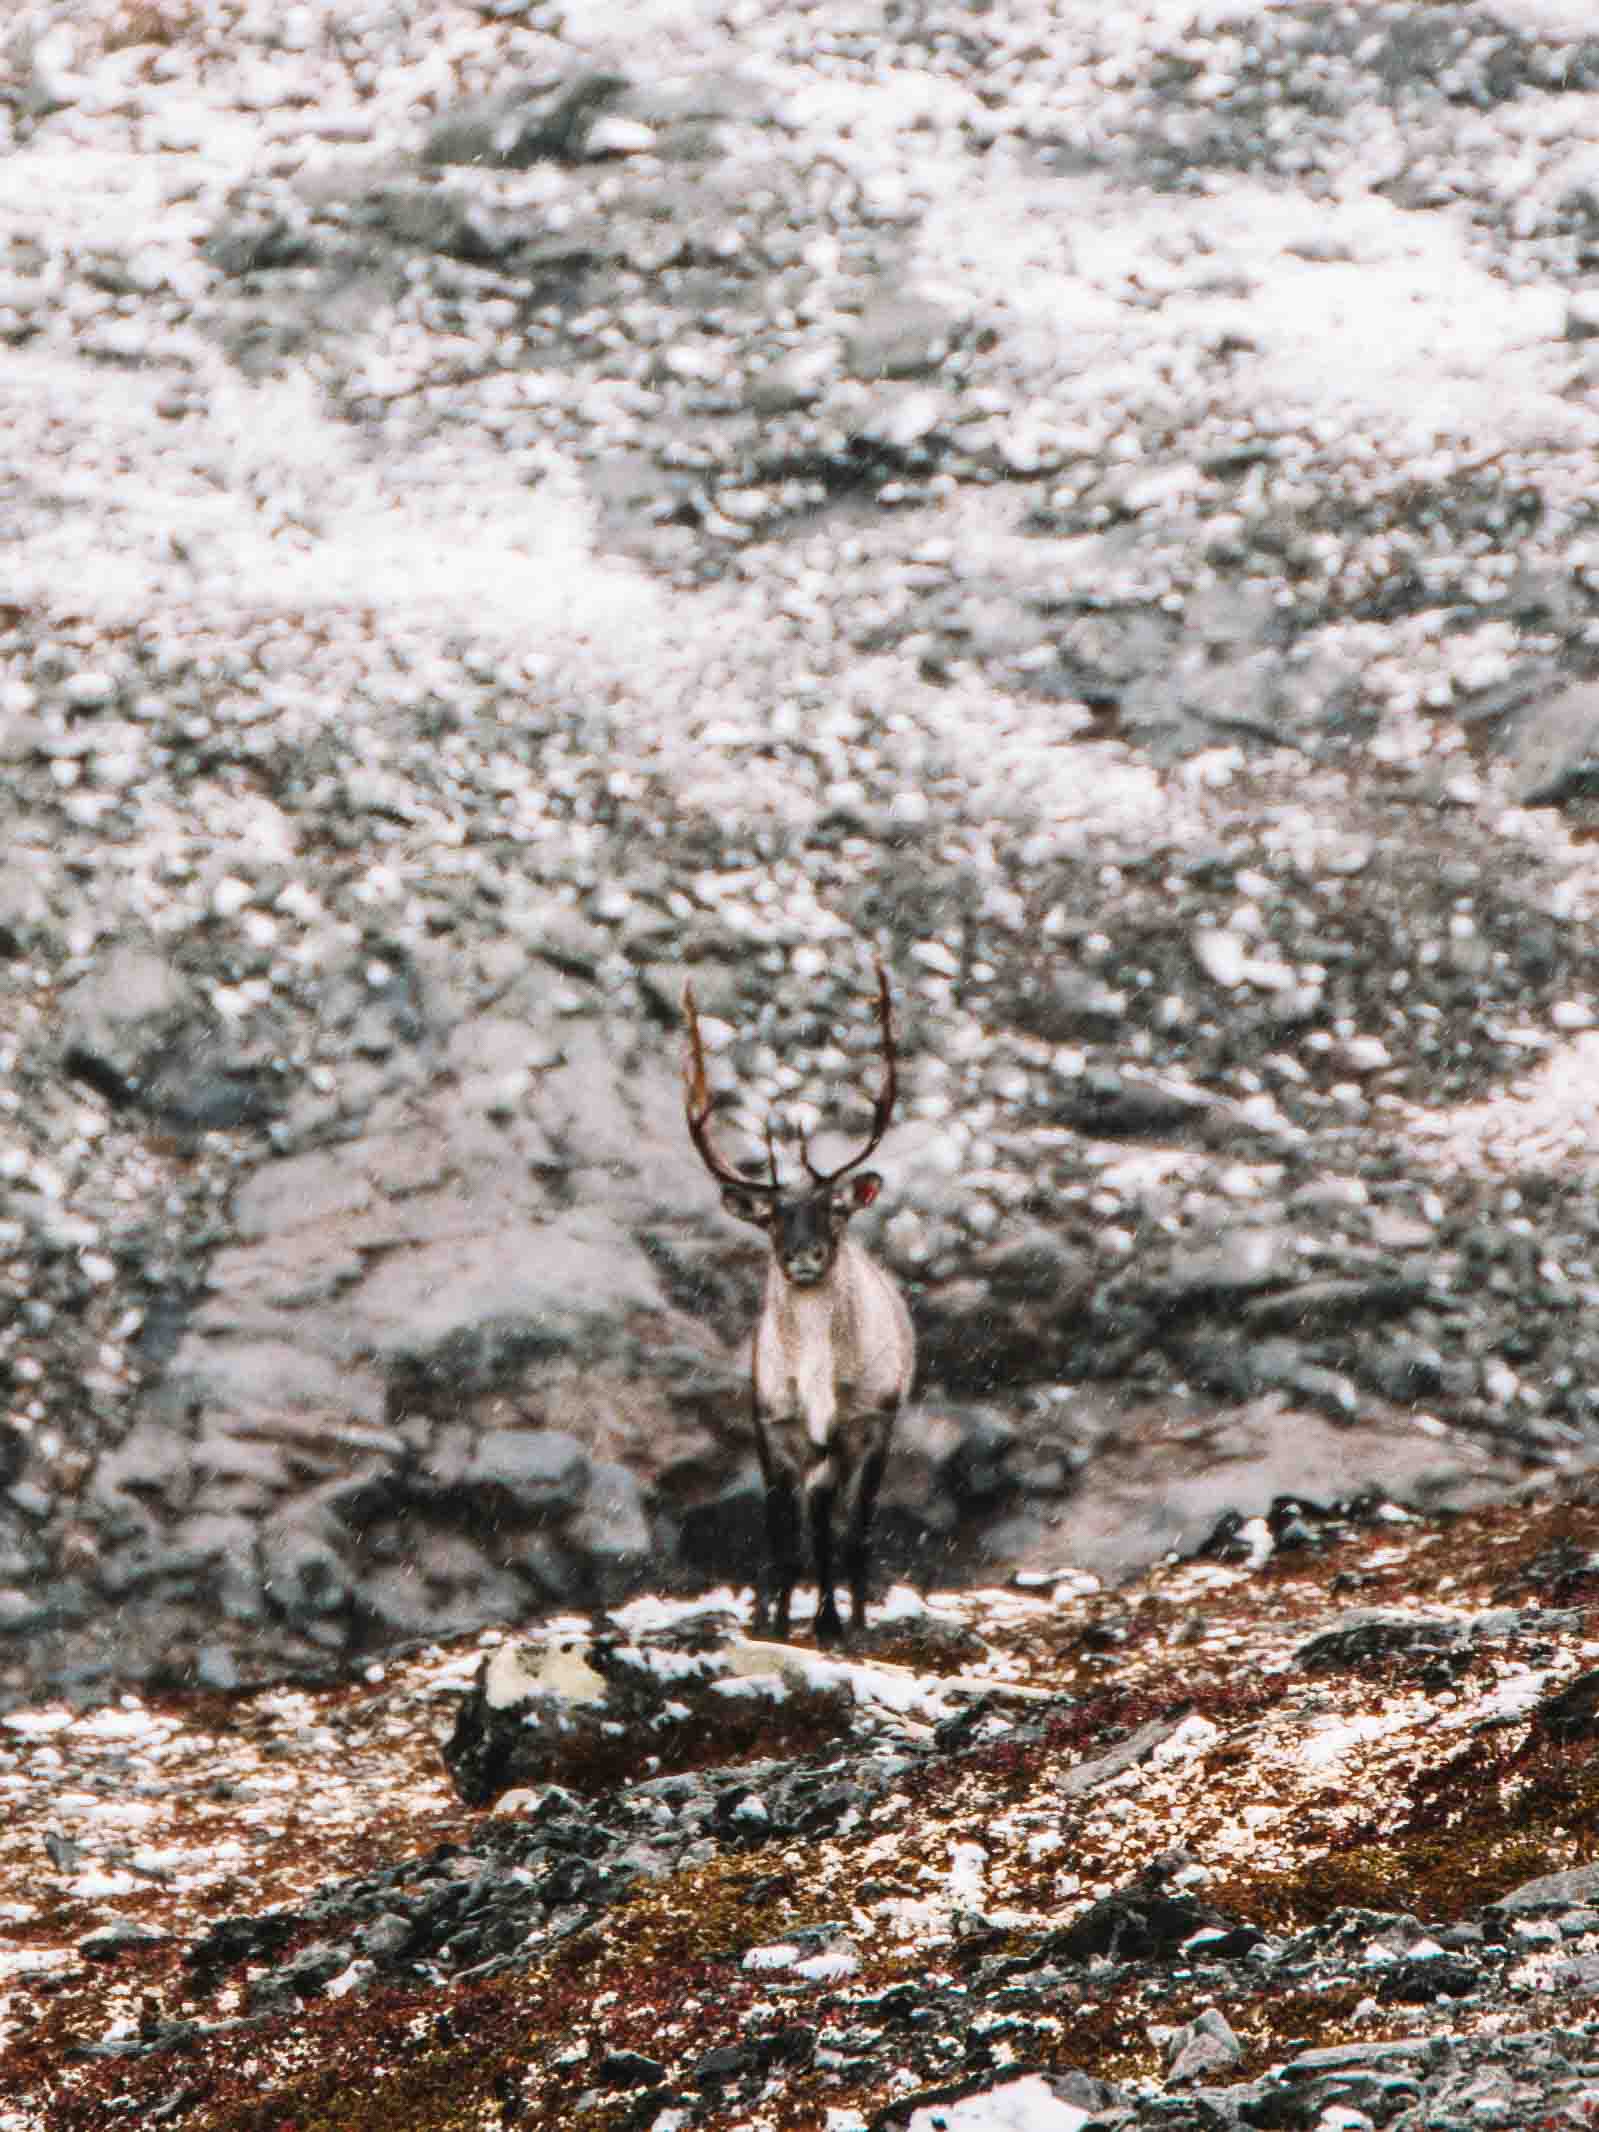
(152, 22)
(711, 1912)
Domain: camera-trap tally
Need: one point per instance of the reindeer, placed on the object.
(834, 1352)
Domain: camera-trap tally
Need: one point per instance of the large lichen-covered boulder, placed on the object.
(591, 1707)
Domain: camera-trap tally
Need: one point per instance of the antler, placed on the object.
(883, 1110)
(697, 1110)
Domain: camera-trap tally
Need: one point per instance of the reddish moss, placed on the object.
(1464, 1833)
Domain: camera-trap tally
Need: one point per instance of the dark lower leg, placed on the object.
(828, 1626)
(857, 1542)
(782, 1553)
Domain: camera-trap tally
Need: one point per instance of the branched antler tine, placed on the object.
(888, 1094)
(697, 1106)
(883, 1108)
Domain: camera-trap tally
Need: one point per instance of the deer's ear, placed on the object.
(865, 1188)
(746, 1206)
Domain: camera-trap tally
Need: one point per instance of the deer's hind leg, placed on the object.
(862, 1508)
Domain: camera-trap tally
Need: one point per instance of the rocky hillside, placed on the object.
(1300, 1833)
(507, 507)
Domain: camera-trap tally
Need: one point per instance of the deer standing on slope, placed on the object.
(834, 1352)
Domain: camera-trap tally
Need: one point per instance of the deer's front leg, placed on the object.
(821, 1490)
(782, 1551)
(780, 1565)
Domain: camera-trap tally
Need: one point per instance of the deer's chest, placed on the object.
(804, 1347)
(827, 1354)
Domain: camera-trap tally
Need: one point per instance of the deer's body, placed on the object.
(832, 1366)
(833, 1359)
(830, 1355)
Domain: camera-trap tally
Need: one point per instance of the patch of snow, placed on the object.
(33, 1961)
(119, 1811)
(1025, 2105)
(650, 1612)
(34, 1724)
(1193, 1736)
(350, 1979)
(1512, 1697)
(967, 1883)
(770, 1685)
(95, 1887)
(1330, 1742)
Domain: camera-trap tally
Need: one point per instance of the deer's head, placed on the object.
(805, 1223)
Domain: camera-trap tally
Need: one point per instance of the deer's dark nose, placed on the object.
(806, 1264)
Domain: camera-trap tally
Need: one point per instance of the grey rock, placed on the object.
(1202, 2047)
(1017, 1535)
(1372, 1632)
(148, 1465)
(1334, 2057)
(1328, 1390)
(995, 673)
(264, 1381)
(724, 1536)
(216, 1668)
(125, 1937)
(1335, 1301)
(453, 1317)
(13, 1456)
(414, 1579)
(1037, 1267)
(1088, 1776)
(1244, 1258)
(547, 122)
(1067, 1004)
(629, 2069)
(1570, 1712)
(536, 1472)
(1553, 749)
(27, 918)
(306, 1566)
(900, 335)
(1405, 1368)
(797, 379)
(1118, 1106)
(121, 1020)
(611, 1535)
(256, 243)
(1551, 1893)
(386, 1936)
(45, 1603)
(1143, 1921)
(135, 1031)
(20, 1553)
(977, 1469)
(300, 1978)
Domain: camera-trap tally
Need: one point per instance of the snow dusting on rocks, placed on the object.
(1306, 1841)
(511, 506)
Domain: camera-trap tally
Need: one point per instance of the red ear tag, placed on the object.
(867, 1189)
